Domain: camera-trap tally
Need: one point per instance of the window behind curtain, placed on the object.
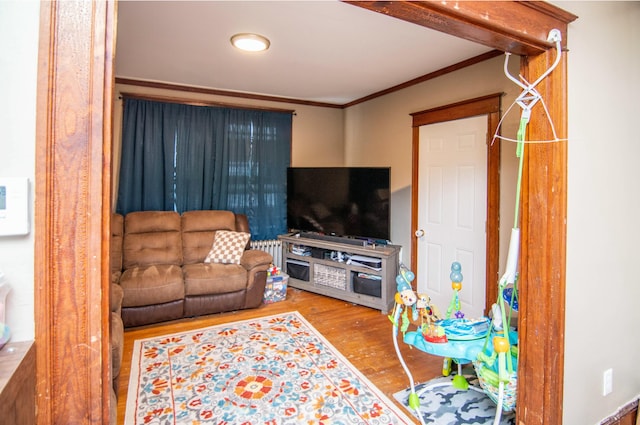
(178, 157)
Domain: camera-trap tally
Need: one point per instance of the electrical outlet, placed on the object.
(607, 382)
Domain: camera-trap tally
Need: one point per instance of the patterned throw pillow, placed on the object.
(227, 247)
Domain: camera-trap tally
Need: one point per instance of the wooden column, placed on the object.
(543, 255)
(72, 206)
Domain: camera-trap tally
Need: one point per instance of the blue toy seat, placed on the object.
(460, 351)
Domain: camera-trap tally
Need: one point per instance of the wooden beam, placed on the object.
(519, 27)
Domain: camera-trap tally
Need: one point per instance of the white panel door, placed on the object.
(452, 208)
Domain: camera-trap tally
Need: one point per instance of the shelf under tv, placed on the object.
(322, 270)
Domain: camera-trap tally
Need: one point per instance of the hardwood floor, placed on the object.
(363, 335)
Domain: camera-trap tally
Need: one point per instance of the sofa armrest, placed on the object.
(252, 258)
(115, 297)
(242, 223)
(256, 262)
(117, 348)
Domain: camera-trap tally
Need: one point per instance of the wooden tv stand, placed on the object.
(318, 272)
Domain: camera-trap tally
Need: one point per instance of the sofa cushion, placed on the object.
(227, 247)
(206, 279)
(198, 230)
(205, 220)
(152, 237)
(196, 246)
(115, 297)
(156, 284)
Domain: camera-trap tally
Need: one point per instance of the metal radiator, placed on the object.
(273, 247)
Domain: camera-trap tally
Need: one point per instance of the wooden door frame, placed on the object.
(73, 211)
(489, 106)
(72, 205)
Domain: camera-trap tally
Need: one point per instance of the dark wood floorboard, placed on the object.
(363, 335)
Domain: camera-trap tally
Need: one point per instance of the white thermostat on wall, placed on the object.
(14, 206)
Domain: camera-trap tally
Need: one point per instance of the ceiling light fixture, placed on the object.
(250, 42)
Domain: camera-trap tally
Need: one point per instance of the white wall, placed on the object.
(603, 231)
(379, 133)
(19, 24)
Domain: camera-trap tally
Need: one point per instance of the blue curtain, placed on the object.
(146, 166)
(198, 132)
(183, 157)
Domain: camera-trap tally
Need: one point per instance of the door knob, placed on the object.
(419, 233)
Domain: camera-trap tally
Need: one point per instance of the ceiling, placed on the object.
(321, 51)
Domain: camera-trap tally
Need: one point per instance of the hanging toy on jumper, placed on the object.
(430, 315)
(455, 325)
(456, 285)
(403, 285)
(427, 311)
(405, 296)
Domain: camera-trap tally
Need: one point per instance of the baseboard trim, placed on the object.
(629, 409)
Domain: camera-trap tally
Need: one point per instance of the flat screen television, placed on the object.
(339, 201)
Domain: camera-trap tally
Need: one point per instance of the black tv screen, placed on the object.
(339, 201)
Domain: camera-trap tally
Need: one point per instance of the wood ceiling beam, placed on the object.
(520, 27)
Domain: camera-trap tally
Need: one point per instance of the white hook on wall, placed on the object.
(554, 36)
(530, 96)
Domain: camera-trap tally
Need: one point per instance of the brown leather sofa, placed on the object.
(164, 275)
(115, 301)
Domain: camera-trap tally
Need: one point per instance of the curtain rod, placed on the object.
(194, 102)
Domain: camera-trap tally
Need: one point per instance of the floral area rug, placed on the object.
(443, 404)
(271, 370)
